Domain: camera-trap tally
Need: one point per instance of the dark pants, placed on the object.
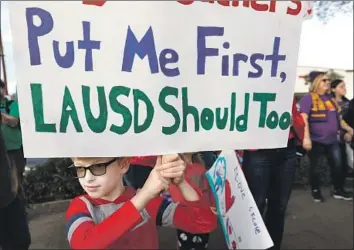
(135, 178)
(344, 157)
(18, 160)
(14, 230)
(316, 156)
(188, 241)
(270, 175)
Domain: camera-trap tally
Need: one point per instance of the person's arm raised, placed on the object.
(82, 232)
(173, 168)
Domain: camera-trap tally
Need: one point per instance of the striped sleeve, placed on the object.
(77, 216)
(76, 221)
(82, 232)
(166, 212)
(190, 216)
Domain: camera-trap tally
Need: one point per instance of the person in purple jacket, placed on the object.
(323, 122)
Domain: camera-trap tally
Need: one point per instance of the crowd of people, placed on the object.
(135, 195)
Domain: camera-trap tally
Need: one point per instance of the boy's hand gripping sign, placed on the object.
(238, 213)
(123, 78)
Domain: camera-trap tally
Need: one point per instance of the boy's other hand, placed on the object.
(172, 167)
(170, 158)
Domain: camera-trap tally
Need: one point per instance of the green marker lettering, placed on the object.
(141, 96)
(189, 110)
(119, 108)
(242, 120)
(263, 98)
(37, 104)
(165, 92)
(68, 110)
(99, 124)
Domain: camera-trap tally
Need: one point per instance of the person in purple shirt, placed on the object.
(323, 122)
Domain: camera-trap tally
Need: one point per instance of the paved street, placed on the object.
(309, 226)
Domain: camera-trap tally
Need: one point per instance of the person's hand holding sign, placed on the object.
(156, 183)
(173, 167)
(167, 169)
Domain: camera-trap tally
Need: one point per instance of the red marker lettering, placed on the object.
(96, 3)
(296, 10)
(186, 2)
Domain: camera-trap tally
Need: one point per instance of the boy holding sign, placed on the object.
(112, 216)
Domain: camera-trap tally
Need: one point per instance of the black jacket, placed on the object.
(349, 118)
(349, 114)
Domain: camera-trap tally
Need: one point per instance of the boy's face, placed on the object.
(102, 183)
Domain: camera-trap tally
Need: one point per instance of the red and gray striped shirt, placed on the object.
(100, 224)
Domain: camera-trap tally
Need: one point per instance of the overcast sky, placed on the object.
(329, 46)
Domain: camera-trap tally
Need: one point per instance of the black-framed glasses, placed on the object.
(95, 169)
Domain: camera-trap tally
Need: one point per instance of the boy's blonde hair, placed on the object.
(90, 160)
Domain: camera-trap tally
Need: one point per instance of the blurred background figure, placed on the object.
(12, 131)
(339, 92)
(322, 116)
(270, 176)
(8, 174)
(349, 119)
(14, 230)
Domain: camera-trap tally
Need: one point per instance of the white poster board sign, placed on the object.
(240, 219)
(152, 77)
